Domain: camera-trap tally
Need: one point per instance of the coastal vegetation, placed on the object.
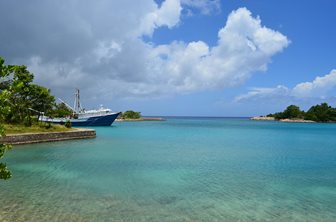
(23, 98)
(23, 101)
(130, 114)
(318, 113)
(4, 109)
(4, 171)
(67, 124)
(21, 104)
(34, 128)
(60, 110)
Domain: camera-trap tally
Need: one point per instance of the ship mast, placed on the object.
(77, 104)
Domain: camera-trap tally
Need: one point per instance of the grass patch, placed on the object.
(35, 128)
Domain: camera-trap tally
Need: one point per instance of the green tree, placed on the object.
(61, 110)
(318, 113)
(4, 171)
(130, 114)
(40, 99)
(4, 109)
(291, 112)
(19, 91)
(67, 124)
(23, 96)
(321, 113)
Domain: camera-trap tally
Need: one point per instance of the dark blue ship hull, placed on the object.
(105, 120)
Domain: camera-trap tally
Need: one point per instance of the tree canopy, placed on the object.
(4, 171)
(318, 113)
(321, 113)
(22, 96)
(4, 109)
(61, 110)
(130, 114)
(291, 112)
(20, 99)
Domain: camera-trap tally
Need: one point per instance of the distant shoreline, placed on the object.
(141, 119)
(266, 118)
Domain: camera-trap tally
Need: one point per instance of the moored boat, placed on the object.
(82, 117)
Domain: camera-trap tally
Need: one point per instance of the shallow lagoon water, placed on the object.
(183, 169)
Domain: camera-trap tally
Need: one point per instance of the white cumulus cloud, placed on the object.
(186, 67)
(319, 87)
(166, 15)
(99, 47)
(319, 90)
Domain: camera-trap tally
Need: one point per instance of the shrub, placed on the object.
(67, 124)
(48, 126)
(27, 121)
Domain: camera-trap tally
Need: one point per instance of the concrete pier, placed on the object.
(28, 138)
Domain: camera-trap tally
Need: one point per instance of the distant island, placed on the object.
(318, 113)
(131, 115)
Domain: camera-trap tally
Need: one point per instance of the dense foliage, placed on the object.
(318, 113)
(291, 112)
(21, 96)
(25, 99)
(130, 114)
(67, 124)
(4, 110)
(321, 113)
(22, 101)
(4, 171)
(61, 110)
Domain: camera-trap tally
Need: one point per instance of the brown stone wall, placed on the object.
(26, 138)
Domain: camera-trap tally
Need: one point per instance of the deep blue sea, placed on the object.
(182, 169)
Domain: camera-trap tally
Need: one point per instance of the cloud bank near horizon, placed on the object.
(99, 46)
(318, 90)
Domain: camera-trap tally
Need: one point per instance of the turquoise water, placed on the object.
(183, 169)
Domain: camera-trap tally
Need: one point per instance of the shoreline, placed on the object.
(42, 137)
(262, 118)
(296, 121)
(141, 119)
(266, 118)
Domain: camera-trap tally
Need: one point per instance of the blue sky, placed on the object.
(309, 25)
(178, 57)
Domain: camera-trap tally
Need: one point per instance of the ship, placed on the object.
(82, 117)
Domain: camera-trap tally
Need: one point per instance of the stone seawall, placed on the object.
(27, 138)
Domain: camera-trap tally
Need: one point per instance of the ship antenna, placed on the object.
(78, 107)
